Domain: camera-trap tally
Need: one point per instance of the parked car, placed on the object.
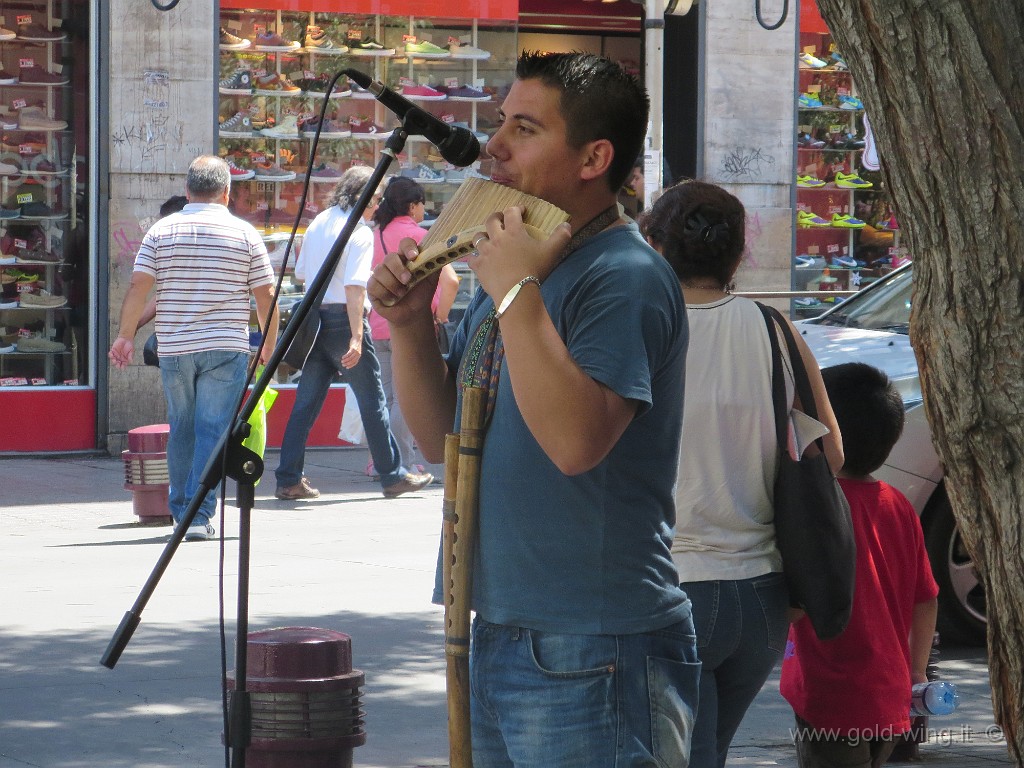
(873, 327)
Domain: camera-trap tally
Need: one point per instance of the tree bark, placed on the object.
(941, 80)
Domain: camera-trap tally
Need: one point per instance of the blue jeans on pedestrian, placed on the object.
(549, 700)
(319, 370)
(202, 391)
(741, 634)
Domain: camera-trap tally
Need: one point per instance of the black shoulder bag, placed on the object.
(813, 528)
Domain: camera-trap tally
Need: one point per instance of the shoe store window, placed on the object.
(847, 235)
(45, 271)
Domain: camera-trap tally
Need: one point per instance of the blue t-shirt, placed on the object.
(589, 554)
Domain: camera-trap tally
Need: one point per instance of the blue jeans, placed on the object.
(545, 700)
(741, 634)
(323, 363)
(202, 391)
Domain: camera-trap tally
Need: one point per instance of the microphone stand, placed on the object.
(233, 459)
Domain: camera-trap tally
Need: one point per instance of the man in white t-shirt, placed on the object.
(205, 263)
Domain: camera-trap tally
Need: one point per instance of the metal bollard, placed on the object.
(304, 699)
(145, 473)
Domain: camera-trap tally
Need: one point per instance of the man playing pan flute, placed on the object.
(583, 650)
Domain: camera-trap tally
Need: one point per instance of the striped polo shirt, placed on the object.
(205, 261)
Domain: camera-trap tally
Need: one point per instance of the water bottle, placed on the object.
(937, 697)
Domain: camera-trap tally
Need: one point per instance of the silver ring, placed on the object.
(479, 239)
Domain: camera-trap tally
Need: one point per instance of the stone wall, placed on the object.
(163, 96)
(748, 140)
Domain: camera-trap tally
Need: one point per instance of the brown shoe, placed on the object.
(411, 482)
(301, 490)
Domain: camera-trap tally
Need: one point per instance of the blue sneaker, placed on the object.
(844, 261)
(807, 101)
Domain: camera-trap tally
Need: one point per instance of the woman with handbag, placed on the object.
(398, 216)
(725, 547)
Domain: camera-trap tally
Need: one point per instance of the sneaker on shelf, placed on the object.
(36, 75)
(810, 219)
(426, 50)
(288, 128)
(411, 482)
(851, 181)
(271, 41)
(807, 302)
(44, 166)
(806, 141)
(317, 41)
(850, 102)
(238, 126)
(424, 174)
(239, 82)
(809, 182)
(846, 221)
(229, 42)
(422, 93)
(34, 118)
(888, 224)
(324, 173)
(7, 78)
(10, 213)
(317, 87)
(838, 62)
(272, 172)
(808, 101)
(37, 255)
(367, 46)
(201, 531)
(846, 262)
(806, 261)
(7, 34)
(329, 130)
(273, 84)
(37, 33)
(238, 173)
(39, 211)
(38, 343)
(810, 61)
(42, 300)
(467, 93)
(365, 128)
(459, 50)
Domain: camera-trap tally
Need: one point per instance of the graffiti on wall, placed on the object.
(746, 164)
(152, 136)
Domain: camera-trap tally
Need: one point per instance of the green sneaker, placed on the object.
(427, 50)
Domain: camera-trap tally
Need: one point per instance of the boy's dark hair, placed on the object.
(599, 100)
(173, 205)
(700, 229)
(869, 412)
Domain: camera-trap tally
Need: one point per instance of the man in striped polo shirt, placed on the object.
(204, 262)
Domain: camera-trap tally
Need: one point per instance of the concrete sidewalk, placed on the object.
(75, 559)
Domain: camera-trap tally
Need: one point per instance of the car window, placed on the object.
(884, 308)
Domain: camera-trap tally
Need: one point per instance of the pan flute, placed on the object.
(451, 237)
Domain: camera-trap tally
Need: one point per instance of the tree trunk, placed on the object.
(941, 80)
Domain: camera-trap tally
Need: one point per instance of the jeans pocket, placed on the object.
(672, 685)
(573, 656)
(704, 598)
(773, 596)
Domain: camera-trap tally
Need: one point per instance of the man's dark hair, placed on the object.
(869, 412)
(173, 205)
(599, 100)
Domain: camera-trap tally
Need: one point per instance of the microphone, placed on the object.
(457, 145)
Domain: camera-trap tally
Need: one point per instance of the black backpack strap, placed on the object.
(778, 383)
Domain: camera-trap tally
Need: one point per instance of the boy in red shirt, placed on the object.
(851, 695)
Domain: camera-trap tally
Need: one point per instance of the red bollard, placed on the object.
(145, 473)
(305, 699)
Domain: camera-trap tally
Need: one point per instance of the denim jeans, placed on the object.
(741, 634)
(546, 700)
(202, 391)
(322, 364)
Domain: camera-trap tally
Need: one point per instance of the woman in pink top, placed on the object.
(398, 216)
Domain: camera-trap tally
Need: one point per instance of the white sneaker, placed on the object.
(288, 128)
(200, 532)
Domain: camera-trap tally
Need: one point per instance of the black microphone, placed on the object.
(457, 145)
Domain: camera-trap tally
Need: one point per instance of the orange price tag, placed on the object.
(408, 38)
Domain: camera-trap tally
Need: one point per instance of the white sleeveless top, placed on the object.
(729, 456)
